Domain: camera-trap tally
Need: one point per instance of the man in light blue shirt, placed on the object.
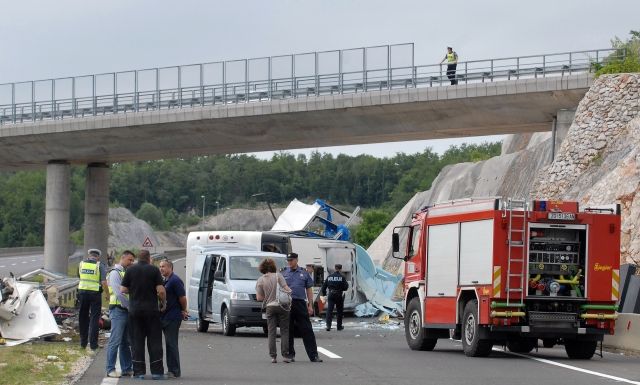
(119, 314)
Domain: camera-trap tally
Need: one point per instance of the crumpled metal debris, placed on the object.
(24, 313)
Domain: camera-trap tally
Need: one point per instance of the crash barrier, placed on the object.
(5, 251)
(272, 78)
(627, 333)
(629, 289)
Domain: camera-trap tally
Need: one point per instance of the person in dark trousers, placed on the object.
(172, 317)
(93, 281)
(147, 299)
(300, 282)
(119, 342)
(452, 63)
(336, 284)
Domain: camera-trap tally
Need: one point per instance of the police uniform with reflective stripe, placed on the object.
(89, 272)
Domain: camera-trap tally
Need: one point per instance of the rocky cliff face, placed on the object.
(125, 230)
(598, 162)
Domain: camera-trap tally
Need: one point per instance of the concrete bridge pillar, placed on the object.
(96, 208)
(560, 128)
(56, 218)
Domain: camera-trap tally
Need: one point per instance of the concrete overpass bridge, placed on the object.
(365, 95)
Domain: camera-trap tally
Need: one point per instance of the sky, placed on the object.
(41, 39)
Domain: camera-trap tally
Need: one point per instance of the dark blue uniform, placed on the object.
(334, 287)
(299, 280)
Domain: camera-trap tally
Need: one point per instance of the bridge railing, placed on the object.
(87, 95)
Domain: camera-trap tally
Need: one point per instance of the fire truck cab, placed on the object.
(496, 270)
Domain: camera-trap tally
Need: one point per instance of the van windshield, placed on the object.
(241, 267)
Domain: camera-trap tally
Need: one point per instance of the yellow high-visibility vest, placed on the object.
(89, 276)
(113, 298)
(451, 57)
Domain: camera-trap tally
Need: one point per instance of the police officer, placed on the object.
(93, 281)
(300, 282)
(336, 284)
(452, 63)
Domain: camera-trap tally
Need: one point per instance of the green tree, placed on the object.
(373, 222)
(626, 57)
(152, 215)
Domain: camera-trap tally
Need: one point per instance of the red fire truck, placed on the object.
(506, 271)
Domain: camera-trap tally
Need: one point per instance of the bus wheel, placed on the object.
(413, 330)
(472, 345)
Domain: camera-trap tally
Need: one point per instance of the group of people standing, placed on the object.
(144, 303)
(295, 316)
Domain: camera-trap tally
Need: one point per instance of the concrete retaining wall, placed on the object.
(627, 335)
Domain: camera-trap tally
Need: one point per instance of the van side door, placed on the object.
(220, 290)
(195, 283)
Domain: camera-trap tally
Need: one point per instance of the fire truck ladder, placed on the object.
(516, 257)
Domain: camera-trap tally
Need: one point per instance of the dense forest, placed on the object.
(168, 192)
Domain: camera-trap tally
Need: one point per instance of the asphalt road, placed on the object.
(370, 353)
(366, 353)
(20, 264)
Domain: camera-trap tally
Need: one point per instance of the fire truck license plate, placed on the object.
(562, 216)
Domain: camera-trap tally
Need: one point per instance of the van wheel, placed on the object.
(413, 330)
(521, 345)
(202, 325)
(228, 329)
(580, 350)
(472, 345)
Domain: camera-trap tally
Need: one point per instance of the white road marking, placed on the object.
(570, 367)
(109, 381)
(33, 260)
(327, 353)
(13, 264)
(24, 262)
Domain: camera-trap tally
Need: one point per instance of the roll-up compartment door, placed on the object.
(476, 252)
(442, 260)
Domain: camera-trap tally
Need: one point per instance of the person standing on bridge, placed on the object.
(93, 281)
(300, 283)
(452, 63)
(147, 299)
(336, 284)
(119, 341)
(172, 317)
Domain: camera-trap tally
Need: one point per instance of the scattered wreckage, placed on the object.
(25, 311)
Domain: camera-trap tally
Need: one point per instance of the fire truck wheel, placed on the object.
(580, 350)
(472, 345)
(202, 325)
(413, 330)
(521, 345)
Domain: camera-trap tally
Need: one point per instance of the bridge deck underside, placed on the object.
(371, 117)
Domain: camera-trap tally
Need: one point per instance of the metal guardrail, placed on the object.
(280, 77)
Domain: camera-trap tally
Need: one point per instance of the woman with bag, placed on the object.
(275, 295)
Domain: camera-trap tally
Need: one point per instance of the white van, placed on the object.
(221, 285)
(317, 252)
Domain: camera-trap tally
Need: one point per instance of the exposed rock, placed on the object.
(598, 162)
(125, 230)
